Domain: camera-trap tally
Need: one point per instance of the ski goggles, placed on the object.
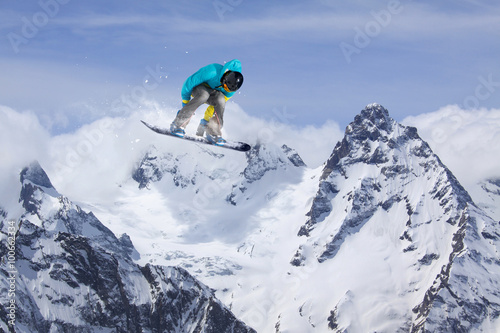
(226, 88)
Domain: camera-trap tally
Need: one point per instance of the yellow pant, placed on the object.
(216, 101)
(209, 113)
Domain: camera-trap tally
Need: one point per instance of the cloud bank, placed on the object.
(90, 162)
(465, 140)
(23, 140)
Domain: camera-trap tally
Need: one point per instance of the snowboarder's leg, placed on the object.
(214, 126)
(200, 95)
(202, 127)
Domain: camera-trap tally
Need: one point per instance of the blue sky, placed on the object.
(71, 62)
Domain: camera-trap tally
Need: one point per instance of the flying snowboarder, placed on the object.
(213, 84)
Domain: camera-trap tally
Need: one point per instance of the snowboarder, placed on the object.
(213, 84)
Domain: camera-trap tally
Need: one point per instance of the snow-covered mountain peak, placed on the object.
(369, 139)
(385, 195)
(36, 175)
(377, 150)
(372, 119)
(55, 213)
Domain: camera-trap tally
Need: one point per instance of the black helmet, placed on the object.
(232, 81)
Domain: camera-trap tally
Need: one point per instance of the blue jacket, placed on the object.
(210, 75)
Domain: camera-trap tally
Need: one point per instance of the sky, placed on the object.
(72, 62)
(68, 67)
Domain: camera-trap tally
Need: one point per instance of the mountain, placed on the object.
(406, 247)
(487, 196)
(380, 238)
(73, 275)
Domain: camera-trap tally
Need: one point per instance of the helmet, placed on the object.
(232, 81)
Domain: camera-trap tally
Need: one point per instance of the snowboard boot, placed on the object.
(202, 127)
(176, 130)
(215, 140)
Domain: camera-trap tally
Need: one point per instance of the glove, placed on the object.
(184, 103)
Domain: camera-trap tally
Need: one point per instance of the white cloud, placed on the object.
(466, 141)
(90, 163)
(313, 144)
(23, 140)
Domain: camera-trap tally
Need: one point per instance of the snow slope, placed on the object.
(486, 194)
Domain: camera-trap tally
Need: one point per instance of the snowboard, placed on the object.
(234, 145)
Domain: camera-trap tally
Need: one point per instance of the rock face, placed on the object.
(74, 275)
(383, 181)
